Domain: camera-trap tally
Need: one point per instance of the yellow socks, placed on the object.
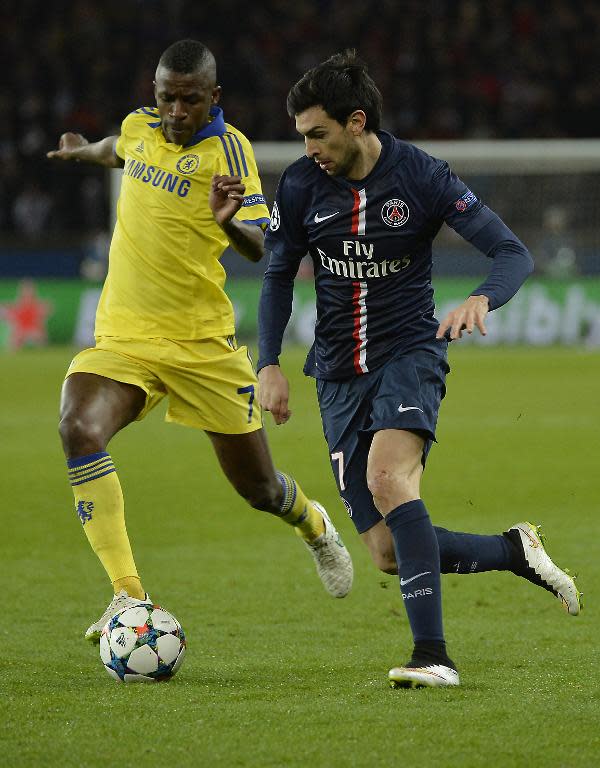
(132, 585)
(101, 510)
(298, 511)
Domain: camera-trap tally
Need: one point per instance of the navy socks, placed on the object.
(418, 557)
(471, 553)
(422, 553)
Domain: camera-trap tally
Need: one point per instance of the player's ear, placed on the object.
(357, 122)
(216, 94)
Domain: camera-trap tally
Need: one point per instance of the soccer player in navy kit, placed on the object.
(367, 207)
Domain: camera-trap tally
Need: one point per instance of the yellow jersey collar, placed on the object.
(215, 127)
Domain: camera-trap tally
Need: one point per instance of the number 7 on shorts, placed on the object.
(249, 390)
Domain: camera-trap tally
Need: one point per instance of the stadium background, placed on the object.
(277, 675)
(450, 71)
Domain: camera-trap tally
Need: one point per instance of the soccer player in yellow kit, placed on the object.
(165, 326)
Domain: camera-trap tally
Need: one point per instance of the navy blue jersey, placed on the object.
(371, 246)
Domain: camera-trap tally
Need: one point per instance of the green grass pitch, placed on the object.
(278, 673)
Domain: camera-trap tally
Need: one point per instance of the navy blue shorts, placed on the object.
(405, 393)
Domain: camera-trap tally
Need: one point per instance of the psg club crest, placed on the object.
(395, 213)
(188, 164)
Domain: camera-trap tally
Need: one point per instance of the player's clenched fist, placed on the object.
(226, 197)
(274, 392)
(469, 315)
(228, 186)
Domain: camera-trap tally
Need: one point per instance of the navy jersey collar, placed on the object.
(216, 127)
(384, 160)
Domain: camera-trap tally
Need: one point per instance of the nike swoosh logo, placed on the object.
(412, 578)
(319, 219)
(402, 408)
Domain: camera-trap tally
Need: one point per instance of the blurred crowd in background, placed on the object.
(448, 69)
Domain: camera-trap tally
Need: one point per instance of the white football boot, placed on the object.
(333, 561)
(430, 676)
(120, 601)
(537, 567)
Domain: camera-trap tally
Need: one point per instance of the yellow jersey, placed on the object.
(165, 278)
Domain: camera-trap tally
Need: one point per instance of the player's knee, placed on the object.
(80, 436)
(390, 486)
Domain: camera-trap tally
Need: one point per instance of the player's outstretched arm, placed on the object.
(225, 199)
(469, 315)
(74, 146)
(511, 266)
(274, 393)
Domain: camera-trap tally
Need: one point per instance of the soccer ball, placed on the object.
(144, 643)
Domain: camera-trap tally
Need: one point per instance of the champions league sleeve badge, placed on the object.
(465, 202)
(275, 220)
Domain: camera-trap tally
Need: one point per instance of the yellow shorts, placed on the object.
(210, 383)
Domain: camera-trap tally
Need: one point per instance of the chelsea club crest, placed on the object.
(188, 164)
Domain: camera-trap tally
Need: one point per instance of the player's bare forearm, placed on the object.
(74, 146)
(469, 315)
(247, 239)
(274, 393)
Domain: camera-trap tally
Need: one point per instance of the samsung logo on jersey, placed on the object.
(160, 179)
(358, 270)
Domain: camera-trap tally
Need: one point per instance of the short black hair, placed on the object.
(187, 56)
(340, 85)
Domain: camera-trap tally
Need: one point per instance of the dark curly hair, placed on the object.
(340, 85)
